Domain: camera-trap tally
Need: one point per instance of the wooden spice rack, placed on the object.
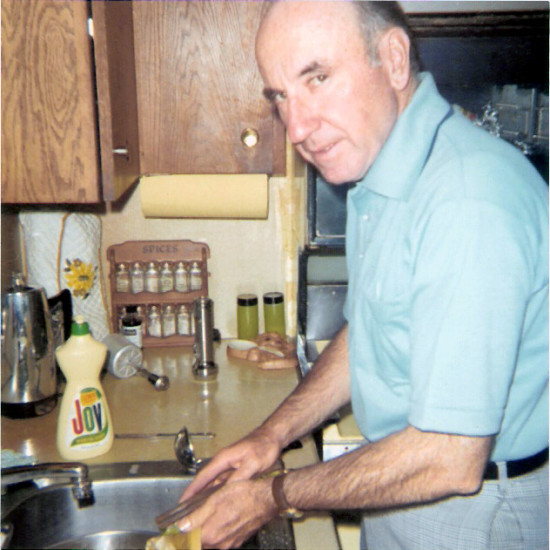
(145, 252)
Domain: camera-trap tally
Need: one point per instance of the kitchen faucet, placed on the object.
(74, 472)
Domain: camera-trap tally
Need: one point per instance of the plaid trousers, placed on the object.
(508, 514)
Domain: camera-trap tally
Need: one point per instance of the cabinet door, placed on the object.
(49, 144)
(116, 95)
(199, 89)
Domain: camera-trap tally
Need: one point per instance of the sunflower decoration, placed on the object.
(80, 277)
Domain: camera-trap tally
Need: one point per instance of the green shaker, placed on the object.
(274, 313)
(247, 316)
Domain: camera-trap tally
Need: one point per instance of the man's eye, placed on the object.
(319, 79)
(274, 96)
(278, 97)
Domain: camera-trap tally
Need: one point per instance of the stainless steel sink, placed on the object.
(128, 497)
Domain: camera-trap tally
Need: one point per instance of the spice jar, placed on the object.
(195, 277)
(168, 321)
(183, 321)
(181, 278)
(152, 278)
(166, 278)
(121, 314)
(122, 278)
(247, 316)
(154, 327)
(132, 326)
(137, 278)
(274, 313)
(141, 313)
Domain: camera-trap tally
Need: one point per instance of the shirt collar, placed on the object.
(403, 156)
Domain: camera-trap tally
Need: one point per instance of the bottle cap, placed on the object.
(79, 327)
(247, 300)
(273, 298)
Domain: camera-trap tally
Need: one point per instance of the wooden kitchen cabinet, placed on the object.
(199, 90)
(64, 112)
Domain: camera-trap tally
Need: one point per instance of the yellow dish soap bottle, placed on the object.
(84, 426)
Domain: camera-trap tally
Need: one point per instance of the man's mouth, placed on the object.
(321, 153)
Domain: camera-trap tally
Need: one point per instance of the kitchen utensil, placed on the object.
(185, 508)
(29, 376)
(204, 367)
(205, 435)
(125, 360)
(61, 315)
(159, 382)
(185, 452)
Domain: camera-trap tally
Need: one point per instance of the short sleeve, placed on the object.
(471, 282)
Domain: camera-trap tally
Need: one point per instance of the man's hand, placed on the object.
(233, 513)
(254, 454)
(228, 516)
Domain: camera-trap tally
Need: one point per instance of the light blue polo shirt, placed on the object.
(447, 253)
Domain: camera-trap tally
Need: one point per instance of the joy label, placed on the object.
(89, 424)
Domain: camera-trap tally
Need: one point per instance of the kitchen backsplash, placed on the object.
(245, 255)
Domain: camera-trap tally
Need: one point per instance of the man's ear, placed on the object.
(394, 50)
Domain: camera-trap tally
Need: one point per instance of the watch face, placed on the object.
(292, 513)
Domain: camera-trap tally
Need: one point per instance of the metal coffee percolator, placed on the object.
(29, 375)
(204, 367)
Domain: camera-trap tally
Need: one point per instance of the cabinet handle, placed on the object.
(250, 138)
(121, 151)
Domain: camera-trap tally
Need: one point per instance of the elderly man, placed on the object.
(445, 351)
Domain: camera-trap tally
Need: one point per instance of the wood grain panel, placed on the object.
(49, 145)
(199, 88)
(116, 95)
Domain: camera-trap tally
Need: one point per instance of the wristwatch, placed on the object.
(285, 509)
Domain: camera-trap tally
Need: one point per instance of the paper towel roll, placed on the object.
(240, 196)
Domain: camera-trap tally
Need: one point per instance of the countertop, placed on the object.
(240, 398)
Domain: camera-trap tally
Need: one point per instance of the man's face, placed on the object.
(338, 109)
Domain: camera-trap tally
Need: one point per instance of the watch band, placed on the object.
(285, 509)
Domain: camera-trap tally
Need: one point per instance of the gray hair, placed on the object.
(376, 17)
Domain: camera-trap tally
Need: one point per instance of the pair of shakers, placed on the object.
(248, 315)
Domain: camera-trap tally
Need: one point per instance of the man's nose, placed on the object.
(300, 121)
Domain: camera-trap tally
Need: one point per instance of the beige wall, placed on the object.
(245, 255)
